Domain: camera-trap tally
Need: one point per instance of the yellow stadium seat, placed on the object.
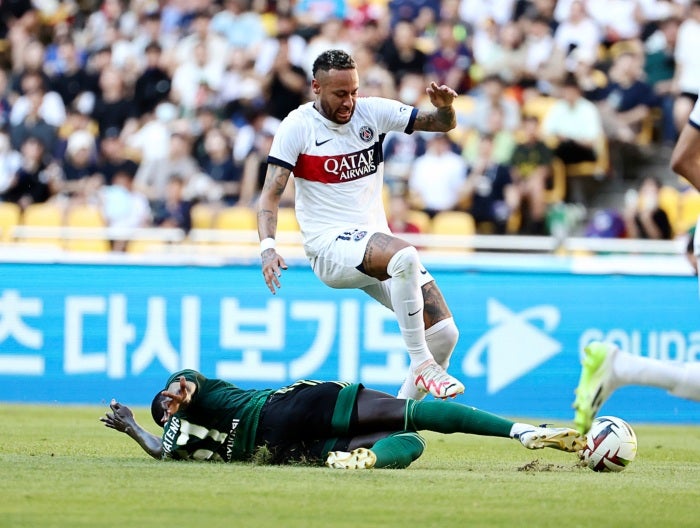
(538, 106)
(85, 216)
(453, 223)
(287, 219)
(557, 192)
(689, 211)
(146, 246)
(236, 218)
(421, 220)
(10, 214)
(43, 215)
(202, 215)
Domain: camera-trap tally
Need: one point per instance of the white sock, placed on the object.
(630, 369)
(519, 428)
(442, 338)
(407, 298)
(679, 378)
(409, 390)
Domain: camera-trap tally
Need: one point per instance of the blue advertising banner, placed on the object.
(84, 333)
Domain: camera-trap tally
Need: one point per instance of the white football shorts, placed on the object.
(337, 259)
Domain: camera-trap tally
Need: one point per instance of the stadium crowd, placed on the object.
(144, 108)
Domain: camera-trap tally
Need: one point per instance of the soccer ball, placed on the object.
(611, 444)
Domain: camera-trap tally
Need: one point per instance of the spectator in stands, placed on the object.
(215, 46)
(218, 164)
(400, 152)
(174, 210)
(574, 124)
(604, 223)
(375, 79)
(35, 98)
(618, 19)
(35, 181)
(450, 62)
(660, 71)
(153, 84)
(122, 206)
(206, 119)
(437, 177)
(240, 25)
(687, 77)
(544, 61)
(491, 95)
(531, 169)
(400, 53)
(475, 12)
(332, 34)
(285, 85)
(241, 87)
(285, 26)
(152, 176)
(112, 13)
(644, 218)
(578, 32)
(503, 139)
(5, 105)
(627, 99)
(151, 141)
(500, 51)
(314, 14)
(150, 31)
(10, 162)
(72, 79)
(257, 123)
(113, 155)
(32, 123)
(397, 215)
(197, 80)
(255, 169)
(488, 192)
(29, 59)
(79, 165)
(114, 108)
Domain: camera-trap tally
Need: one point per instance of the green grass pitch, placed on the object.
(60, 467)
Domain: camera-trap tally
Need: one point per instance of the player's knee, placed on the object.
(404, 263)
(442, 339)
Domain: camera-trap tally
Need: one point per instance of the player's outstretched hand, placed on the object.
(272, 266)
(120, 419)
(440, 96)
(178, 399)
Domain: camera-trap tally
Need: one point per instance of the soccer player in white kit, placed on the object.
(605, 367)
(333, 146)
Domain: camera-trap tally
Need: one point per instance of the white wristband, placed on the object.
(267, 243)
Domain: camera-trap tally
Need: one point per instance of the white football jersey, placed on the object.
(695, 115)
(338, 169)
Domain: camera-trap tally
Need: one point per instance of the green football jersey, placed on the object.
(220, 422)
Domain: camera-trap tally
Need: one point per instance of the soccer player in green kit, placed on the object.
(342, 425)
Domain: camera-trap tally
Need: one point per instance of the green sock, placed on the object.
(398, 450)
(450, 417)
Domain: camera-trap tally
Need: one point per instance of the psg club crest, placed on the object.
(366, 134)
(359, 235)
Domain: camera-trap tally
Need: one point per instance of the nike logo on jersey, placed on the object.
(411, 314)
(319, 143)
(423, 272)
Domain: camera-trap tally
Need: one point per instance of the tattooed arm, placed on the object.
(443, 118)
(268, 205)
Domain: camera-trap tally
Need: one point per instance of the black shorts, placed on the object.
(303, 421)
